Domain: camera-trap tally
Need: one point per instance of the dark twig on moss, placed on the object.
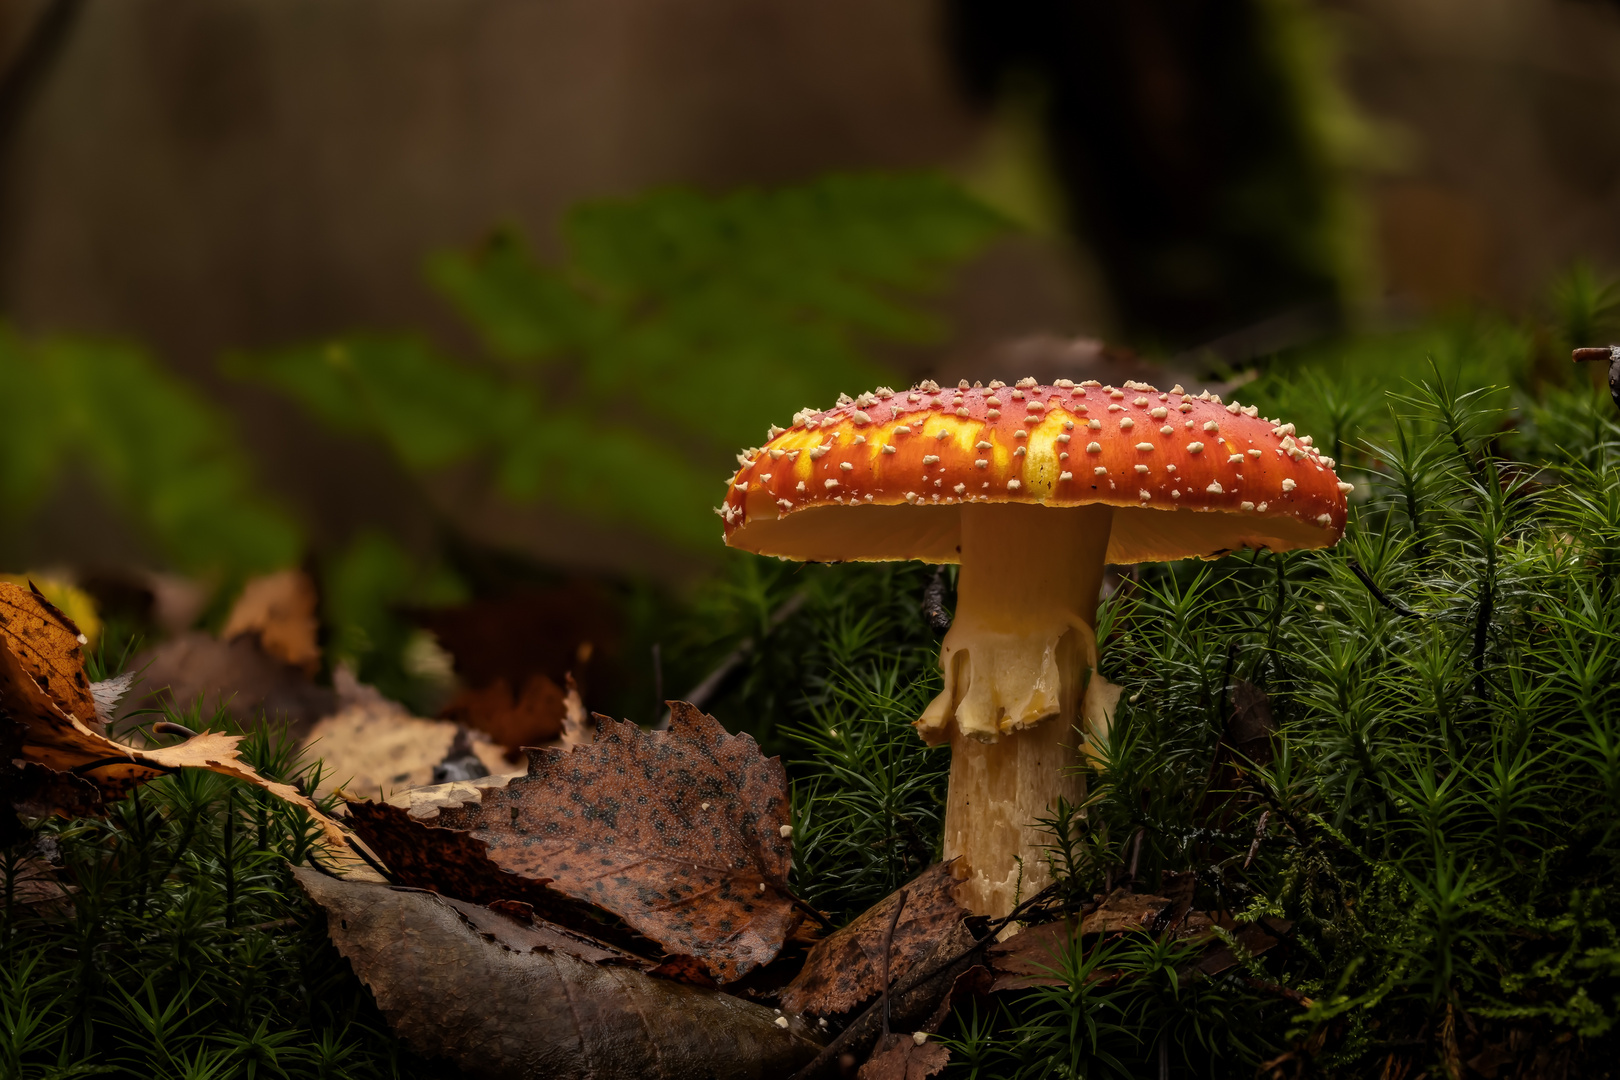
(710, 687)
(888, 947)
(1378, 594)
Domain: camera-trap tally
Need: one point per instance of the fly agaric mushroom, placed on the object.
(1031, 489)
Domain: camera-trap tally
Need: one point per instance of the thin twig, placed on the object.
(1136, 853)
(888, 946)
(169, 727)
(386, 874)
(861, 1025)
(1285, 992)
(1259, 834)
(710, 686)
(808, 910)
(1378, 594)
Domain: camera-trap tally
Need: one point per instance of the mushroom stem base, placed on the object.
(999, 791)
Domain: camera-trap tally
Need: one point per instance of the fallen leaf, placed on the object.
(903, 1058)
(1178, 887)
(162, 604)
(1121, 910)
(1030, 957)
(916, 1000)
(216, 752)
(1251, 727)
(524, 631)
(577, 726)
(38, 791)
(677, 832)
(512, 925)
(1253, 938)
(47, 649)
(75, 603)
(498, 1004)
(1251, 714)
(279, 609)
(45, 695)
(914, 1056)
(237, 676)
(531, 718)
(453, 864)
(846, 970)
(380, 747)
(424, 803)
(33, 885)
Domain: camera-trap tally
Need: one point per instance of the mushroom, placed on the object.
(1031, 489)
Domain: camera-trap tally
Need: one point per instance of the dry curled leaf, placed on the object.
(45, 696)
(47, 649)
(498, 1003)
(379, 746)
(426, 802)
(678, 833)
(279, 609)
(846, 970)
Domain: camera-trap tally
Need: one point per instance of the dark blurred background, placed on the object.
(267, 265)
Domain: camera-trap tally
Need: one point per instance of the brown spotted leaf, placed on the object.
(506, 1001)
(676, 832)
(846, 970)
(455, 864)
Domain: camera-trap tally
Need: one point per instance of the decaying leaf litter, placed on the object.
(633, 875)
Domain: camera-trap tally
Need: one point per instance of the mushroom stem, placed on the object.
(1020, 687)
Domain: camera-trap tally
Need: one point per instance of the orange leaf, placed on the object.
(44, 690)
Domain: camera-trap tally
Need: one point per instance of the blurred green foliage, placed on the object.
(620, 381)
(159, 451)
(363, 589)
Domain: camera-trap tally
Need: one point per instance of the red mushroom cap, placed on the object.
(1190, 476)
